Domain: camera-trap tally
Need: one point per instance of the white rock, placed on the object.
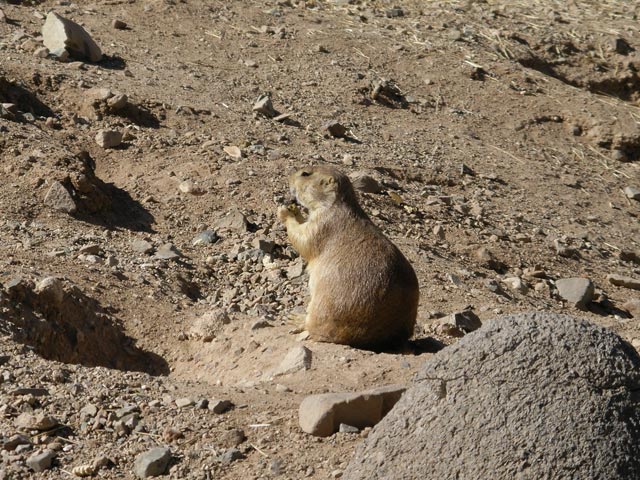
(186, 186)
(632, 192)
(515, 283)
(189, 187)
(298, 358)
(108, 138)
(184, 402)
(117, 102)
(61, 35)
(207, 326)
(233, 151)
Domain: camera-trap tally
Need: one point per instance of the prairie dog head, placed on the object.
(321, 187)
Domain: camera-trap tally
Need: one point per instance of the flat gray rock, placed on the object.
(14, 441)
(528, 396)
(233, 221)
(142, 246)
(152, 463)
(66, 38)
(324, 414)
(231, 455)
(35, 421)
(622, 281)
(41, 461)
(206, 237)
(59, 198)
(578, 292)
(298, 358)
(168, 251)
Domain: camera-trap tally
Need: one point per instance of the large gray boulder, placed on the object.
(530, 396)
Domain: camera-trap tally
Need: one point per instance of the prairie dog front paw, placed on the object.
(284, 213)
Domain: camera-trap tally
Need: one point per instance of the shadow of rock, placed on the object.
(101, 102)
(291, 122)
(62, 323)
(102, 203)
(625, 87)
(112, 62)
(425, 345)
(139, 115)
(25, 101)
(386, 93)
(123, 212)
(606, 308)
(416, 346)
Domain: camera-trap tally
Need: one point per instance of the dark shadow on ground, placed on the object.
(25, 101)
(124, 212)
(606, 308)
(102, 203)
(425, 345)
(60, 322)
(416, 346)
(139, 115)
(112, 62)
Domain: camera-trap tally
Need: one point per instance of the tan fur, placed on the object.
(364, 292)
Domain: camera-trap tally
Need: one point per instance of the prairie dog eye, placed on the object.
(305, 174)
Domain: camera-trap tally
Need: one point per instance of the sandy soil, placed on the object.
(503, 141)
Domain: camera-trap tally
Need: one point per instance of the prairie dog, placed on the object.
(364, 292)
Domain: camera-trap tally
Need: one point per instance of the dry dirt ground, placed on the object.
(502, 138)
